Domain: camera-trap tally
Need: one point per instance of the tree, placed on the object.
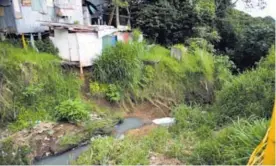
(254, 44)
(170, 22)
(117, 4)
(244, 38)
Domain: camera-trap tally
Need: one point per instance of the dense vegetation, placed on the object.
(243, 38)
(225, 131)
(193, 79)
(32, 83)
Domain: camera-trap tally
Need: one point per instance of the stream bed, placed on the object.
(67, 157)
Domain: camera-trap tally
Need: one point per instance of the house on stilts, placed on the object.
(80, 29)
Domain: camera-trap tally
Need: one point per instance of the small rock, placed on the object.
(51, 132)
(47, 139)
(47, 153)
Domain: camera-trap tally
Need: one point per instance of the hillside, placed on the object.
(193, 83)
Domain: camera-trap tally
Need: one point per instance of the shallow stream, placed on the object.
(67, 157)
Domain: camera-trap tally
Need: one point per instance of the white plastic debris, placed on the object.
(164, 121)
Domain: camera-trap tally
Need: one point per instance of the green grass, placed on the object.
(156, 53)
(130, 151)
(71, 139)
(32, 84)
(232, 145)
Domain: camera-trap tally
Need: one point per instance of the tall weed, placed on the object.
(249, 94)
(120, 65)
(232, 145)
(32, 81)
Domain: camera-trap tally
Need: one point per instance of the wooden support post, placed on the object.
(111, 16)
(2, 36)
(23, 41)
(39, 36)
(117, 17)
(128, 20)
(81, 72)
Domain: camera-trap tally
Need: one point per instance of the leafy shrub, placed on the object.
(120, 65)
(46, 46)
(113, 93)
(232, 145)
(97, 89)
(72, 111)
(249, 94)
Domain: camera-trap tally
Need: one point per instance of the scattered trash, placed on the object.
(164, 121)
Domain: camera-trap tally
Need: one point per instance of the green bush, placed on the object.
(113, 93)
(72, 111)
(120, 65)
(46, 46)
(97, 89)
(232, 145)
(249, 94)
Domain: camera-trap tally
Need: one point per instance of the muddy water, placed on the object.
(128, 124)
(67, 157)
(63, 159)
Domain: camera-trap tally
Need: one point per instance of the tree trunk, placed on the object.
(128, 21)
(117, 16)
(111, 16)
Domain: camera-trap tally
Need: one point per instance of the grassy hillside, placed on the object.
(32, 85)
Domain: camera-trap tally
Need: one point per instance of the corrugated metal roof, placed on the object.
(78, 28)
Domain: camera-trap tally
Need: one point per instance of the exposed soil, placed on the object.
(148, 111)
(44, 138)
(159, 159)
